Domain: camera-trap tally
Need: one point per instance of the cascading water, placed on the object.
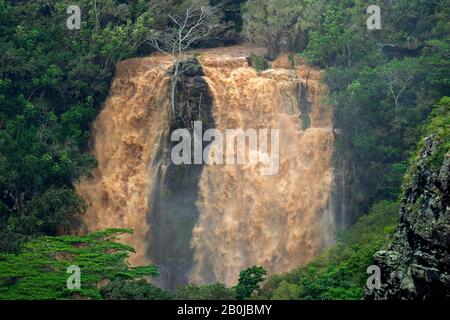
(218, 219)
(129, 133)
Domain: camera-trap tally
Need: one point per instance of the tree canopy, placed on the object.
(39, 271)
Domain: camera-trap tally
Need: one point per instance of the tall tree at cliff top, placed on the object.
(280, 25)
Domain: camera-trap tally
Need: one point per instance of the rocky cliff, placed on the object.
(417, 263)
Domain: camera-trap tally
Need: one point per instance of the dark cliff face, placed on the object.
(417, 263)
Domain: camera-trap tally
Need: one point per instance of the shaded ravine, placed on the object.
(205, 223)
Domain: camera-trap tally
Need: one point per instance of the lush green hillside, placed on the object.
(41, 270)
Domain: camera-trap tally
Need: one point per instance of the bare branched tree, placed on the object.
(197, 23)
(399, 78)
(402, 84)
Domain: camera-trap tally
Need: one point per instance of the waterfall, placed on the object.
(207, 223)
(128, 135)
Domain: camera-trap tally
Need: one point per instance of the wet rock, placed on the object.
(417, 263)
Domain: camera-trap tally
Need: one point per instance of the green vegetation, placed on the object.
(259, 63)
(123, 289)
(52, 84)
(249, 281)
(439, 128)
(248, 286)
(280, 24)
(39, 270)
(216, 291)
(383, 85)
